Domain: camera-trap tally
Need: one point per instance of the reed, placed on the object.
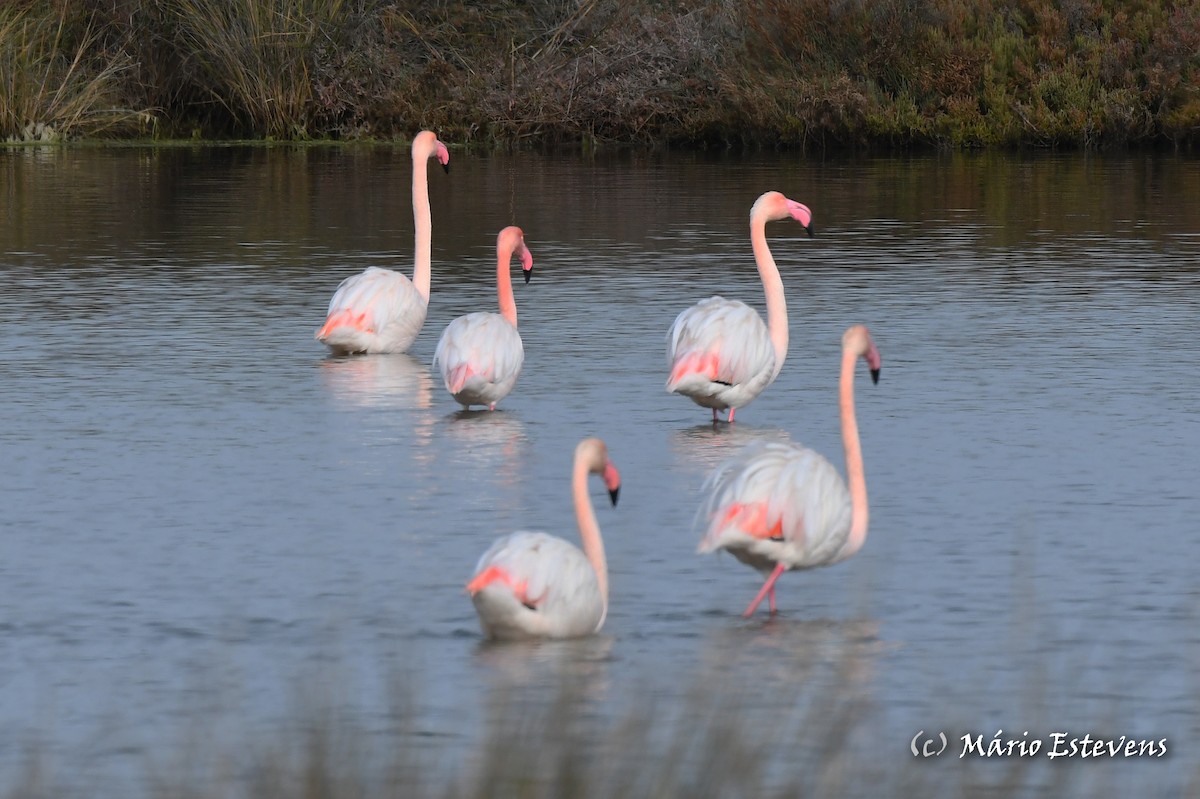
(257, 59)
(57, 82)
(808, 729)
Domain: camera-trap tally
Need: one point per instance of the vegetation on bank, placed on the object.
(796, 73)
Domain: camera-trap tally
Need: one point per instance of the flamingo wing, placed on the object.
(718, 345)
(534, 584)
(776, 503)
(377, 310)
(480, 356)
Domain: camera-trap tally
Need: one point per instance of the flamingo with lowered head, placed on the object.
(381, 310)
(480, 354)
(534, 585)
(778, 506)
(721, 354)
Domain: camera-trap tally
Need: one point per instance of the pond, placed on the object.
(209, 522)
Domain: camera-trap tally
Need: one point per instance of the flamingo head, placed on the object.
(511, 241)
(857, 339)
(772, 206)
(426, 145)
(591, 454)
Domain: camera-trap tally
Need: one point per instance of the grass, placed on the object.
(795, 73)
(808, 728)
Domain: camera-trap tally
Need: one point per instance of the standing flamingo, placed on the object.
(480, 354)
(381, 310)
(534, 585)
(720, 352)
(779, 506)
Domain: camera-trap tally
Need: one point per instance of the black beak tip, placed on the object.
(809, 230)
(616, 492)
(446, 168)
(528, 275)
(875, 375)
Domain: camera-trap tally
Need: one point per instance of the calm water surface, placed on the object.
(201, 511)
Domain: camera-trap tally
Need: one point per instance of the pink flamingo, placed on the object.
(534, 585)
(381, 310)
(480, 354)
(778, 506)
(720, 352)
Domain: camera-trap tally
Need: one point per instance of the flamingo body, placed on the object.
(376, 311)
(534, 585)
(720, 352)
(480, 354)
(777, 502)
(778, 506)
(381, 310)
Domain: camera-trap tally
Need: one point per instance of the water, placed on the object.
(201, 511)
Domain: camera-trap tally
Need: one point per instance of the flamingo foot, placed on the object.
(768, 589)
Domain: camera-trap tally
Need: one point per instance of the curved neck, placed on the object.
(855, 475)
(423, 227)
(777, 323)
(589, 528)
(504, 290)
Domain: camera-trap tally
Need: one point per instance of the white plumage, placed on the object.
(722, 352)
(775, 483)
(375, 311)
(555, 595)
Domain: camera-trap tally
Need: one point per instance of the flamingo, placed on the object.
(534, 585)
(778, 506)
(720, 352)
(381, 310)
(480, 354)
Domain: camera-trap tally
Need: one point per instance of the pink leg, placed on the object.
(731, 410)
(715, 420)
(767, 589)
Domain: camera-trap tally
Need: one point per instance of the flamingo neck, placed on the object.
(855, 475)
(504, 290)
(777, 323)
(589, 528)
(422, 224)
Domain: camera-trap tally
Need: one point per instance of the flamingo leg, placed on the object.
(715, 419)
(767, 589)
(731, 410)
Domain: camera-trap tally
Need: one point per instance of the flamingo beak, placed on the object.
(613, 494)
(875, 375)
(526, 262)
